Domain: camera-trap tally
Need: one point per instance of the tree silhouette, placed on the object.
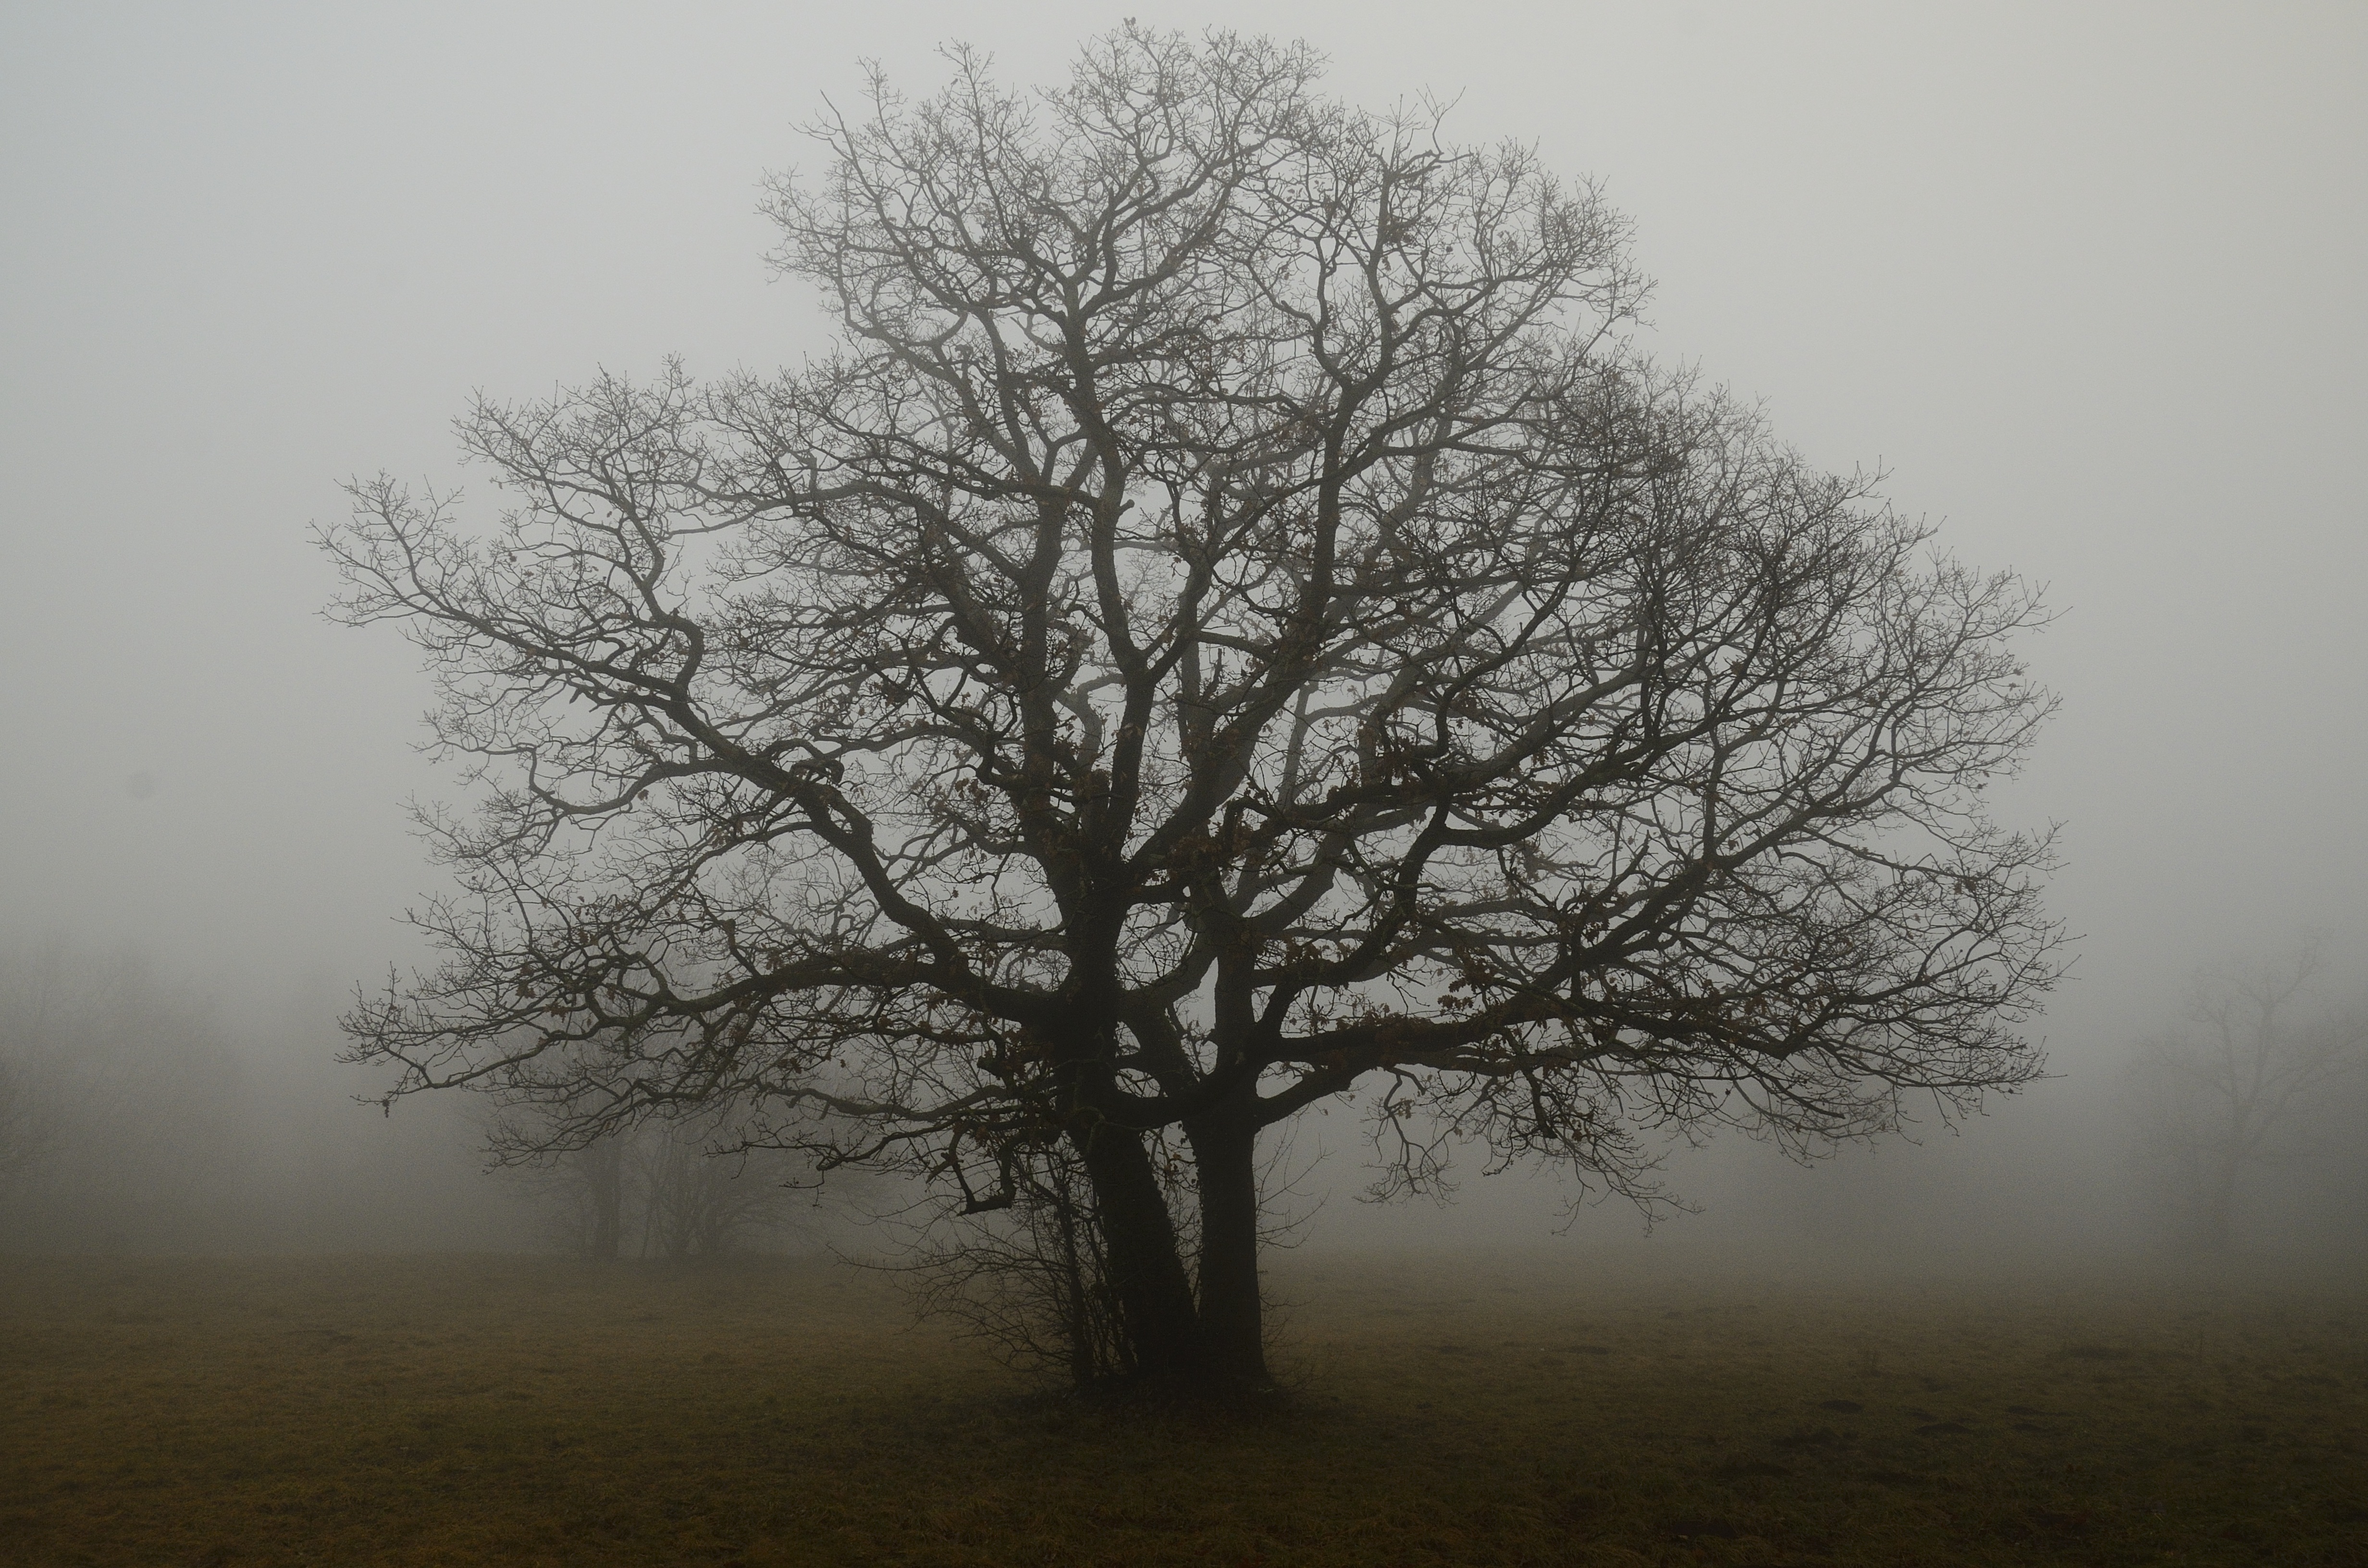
(1233, 624)
(2234, 1092)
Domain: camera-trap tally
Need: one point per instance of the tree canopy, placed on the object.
(1232, 623)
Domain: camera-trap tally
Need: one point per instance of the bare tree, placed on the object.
(1232, 624)
(678, 1189)
(120, 1103)
(27, 1133)
(2233, 1092)
(582, 1190)
(601, 1168)
(705, 1193)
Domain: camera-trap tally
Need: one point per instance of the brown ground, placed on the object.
(475, 1410)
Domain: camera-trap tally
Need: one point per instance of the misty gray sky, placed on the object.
(2086, 280)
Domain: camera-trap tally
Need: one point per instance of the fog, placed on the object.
(2084, 281)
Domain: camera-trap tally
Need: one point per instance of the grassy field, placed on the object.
(479, 1410)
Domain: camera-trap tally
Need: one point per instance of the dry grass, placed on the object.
(458, 1411)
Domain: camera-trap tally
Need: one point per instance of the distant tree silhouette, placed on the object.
(2234, 1089)
(1232, 626)
(25, 1133)
(672, 1189)
(122, 1105)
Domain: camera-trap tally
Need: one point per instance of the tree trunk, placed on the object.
(604, 1174)
(1155, 1296)
(1231, 1313)
(2220, 1209)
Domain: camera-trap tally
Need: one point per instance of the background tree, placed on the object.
(582, 1190)
(2238, 1089)
(704, 1193)
(677, 1189)
(1232, 623)
(26, 1133)
(121, 1105)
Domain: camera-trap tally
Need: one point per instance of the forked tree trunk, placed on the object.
(1218, 1341)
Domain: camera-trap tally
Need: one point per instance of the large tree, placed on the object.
(1232, 624)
